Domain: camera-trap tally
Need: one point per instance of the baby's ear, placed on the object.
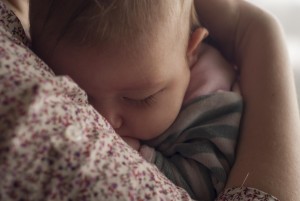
(196, 37)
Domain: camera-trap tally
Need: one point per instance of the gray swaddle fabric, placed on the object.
(197, 151)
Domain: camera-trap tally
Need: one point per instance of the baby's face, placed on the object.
(139, 92)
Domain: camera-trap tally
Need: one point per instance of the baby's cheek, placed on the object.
(155, 119)
(161, 120)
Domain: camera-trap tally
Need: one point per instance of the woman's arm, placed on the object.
(269, 145)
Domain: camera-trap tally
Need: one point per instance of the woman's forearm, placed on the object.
(269, 144)
(271, 120)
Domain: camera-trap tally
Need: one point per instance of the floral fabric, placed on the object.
(245, 194)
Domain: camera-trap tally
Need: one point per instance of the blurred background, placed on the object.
(288, 13)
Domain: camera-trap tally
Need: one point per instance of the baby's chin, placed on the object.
(148, 136)
(142, 135)
(147, 131)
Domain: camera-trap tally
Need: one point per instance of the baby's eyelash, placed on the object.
(148, 101)
(143, 102)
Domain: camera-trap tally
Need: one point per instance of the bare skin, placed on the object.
(269, 145)
(20, 8)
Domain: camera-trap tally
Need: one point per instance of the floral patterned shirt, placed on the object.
(55, 146)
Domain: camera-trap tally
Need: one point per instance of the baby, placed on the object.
(144, 67)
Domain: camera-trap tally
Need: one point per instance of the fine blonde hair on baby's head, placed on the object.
(96, 22)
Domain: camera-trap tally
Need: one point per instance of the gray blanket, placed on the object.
(198, 150)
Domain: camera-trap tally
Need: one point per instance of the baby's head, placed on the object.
(132, 57)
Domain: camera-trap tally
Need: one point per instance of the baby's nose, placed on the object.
(114, 118)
